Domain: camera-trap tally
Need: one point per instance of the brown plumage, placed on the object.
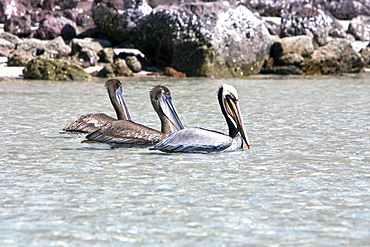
(90, 122)
(126, 133)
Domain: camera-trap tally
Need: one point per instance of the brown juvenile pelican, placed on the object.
(125, 133)
(90, 122)
(199, 140)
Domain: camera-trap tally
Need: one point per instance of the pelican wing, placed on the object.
(126, 132)
(194, 140)
(88, 123)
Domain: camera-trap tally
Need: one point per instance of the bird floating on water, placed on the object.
(200, 140)
(90, 122)
(126, 133)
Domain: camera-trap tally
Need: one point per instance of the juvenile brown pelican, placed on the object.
(199, 140)
(90, 122)
(125, 133)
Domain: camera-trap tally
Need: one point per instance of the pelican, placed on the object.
(126, 133)
(91, 122)
(200, 140)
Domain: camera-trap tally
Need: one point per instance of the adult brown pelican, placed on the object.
(199, 140)
(90, 122)
(126, 133)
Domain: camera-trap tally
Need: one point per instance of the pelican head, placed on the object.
(161, 99)
(229, 103)
(114, 87)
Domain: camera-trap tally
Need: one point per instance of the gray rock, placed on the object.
(18, 25)
(335, 57)
(86, 51)
(301, 44)
(308, 20)
(359, 27)
(106, 55)
(6, 47)
(10, 37)
(133, 63)
(200, 39)
(47, 48)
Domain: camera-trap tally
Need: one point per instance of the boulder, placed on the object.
(365, 53)
(311, 21)
(359, 27)
(336, 57)
(344, 9)
(55, 70)
(133, 63)
(10, 37)
(106, 72)
(46, 48)
(18, 25)
(9, 8)
(199, 39)
(52, 27)
(86, 51)
(5, 47)
(120, 68)
(292, 50)
(106, 55)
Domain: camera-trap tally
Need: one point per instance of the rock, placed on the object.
(290, 59)
(117, 20)
(282, 70)
(5, 47)
(52, 27)
(86, 51)
(19, 59)
(359, 27)
(341, 9)
(267, 8)
(308, 20)
(56, 70)
(9, 8)
(120, 68)
(200, 39)
(133, 63)
(87, 43)
(106, 72)
(291, 50)
(106, 55)
(344, 9)
(173, 73)
(58, 45)
(336, 57)
(18, 25)
(55, 48)
(365, 53)
(301, 44)
(10, 37)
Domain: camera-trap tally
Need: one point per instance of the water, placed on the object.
(305, 182)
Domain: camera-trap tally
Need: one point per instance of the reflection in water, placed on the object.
(304, 181)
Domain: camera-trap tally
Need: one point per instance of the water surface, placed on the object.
(304, 182)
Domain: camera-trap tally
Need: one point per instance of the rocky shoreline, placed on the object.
(74, 40)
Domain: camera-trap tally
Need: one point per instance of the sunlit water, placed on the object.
(304, 182)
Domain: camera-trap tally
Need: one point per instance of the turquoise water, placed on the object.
(304, 182)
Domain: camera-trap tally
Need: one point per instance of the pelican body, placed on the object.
(200, 140)
(126, 133)
(90, 122)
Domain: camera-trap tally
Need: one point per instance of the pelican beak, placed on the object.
(165, 103)
(121, 100)
(234, 111)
